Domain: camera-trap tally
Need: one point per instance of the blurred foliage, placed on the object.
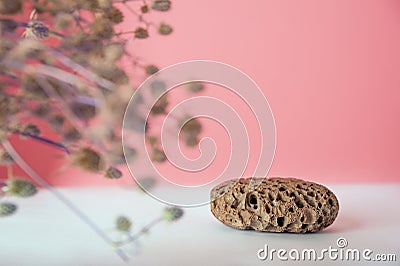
(60, 63)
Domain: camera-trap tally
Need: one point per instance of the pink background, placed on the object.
(329, 69)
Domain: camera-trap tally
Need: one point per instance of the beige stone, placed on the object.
(276, 205)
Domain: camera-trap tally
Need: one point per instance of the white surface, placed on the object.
(45, 232)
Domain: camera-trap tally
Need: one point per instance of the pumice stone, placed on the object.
(275, 205)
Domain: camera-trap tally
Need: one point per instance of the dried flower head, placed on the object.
(31, 129)
(158, 155)
(164, 29)
(160, 106)
(172, 214)
(102, 28)
(89, 160)
(152, 140)
(114, 15)
(5, 158)
(20, 188)
(192, 141)
(123, 224)
(161, 5)
(141, 33)
(195, 86)
(9, 7)
(7, 208)
(158, 87)
(151, 69)
(36, 30)
(144, 9)
(113, 173)
(191, 127)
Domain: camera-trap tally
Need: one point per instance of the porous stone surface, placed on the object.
(276, 205)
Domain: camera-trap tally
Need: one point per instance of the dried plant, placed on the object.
(60, 63)
(124, 225)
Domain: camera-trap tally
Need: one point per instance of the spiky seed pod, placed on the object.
(158, 87)
(164, 29)
(36, 30)
(89, 160)
(151, 69)
(144, 9)
(161, 5)
(172, 214)
(7, 208)
(102, 28)
(123, 224)
(190, 131)
(191, 127)
(31, 129)
(9, 7)
(115, 15)
(191, 141)
(113, 173)
(141, 33)
(160, 106)
(158, 155)
(195, 86)
(20, 188)
(152, 140)
(5, 158)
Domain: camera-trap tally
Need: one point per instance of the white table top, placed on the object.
(45, 232)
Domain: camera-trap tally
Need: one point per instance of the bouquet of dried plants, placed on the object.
(60, 63)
